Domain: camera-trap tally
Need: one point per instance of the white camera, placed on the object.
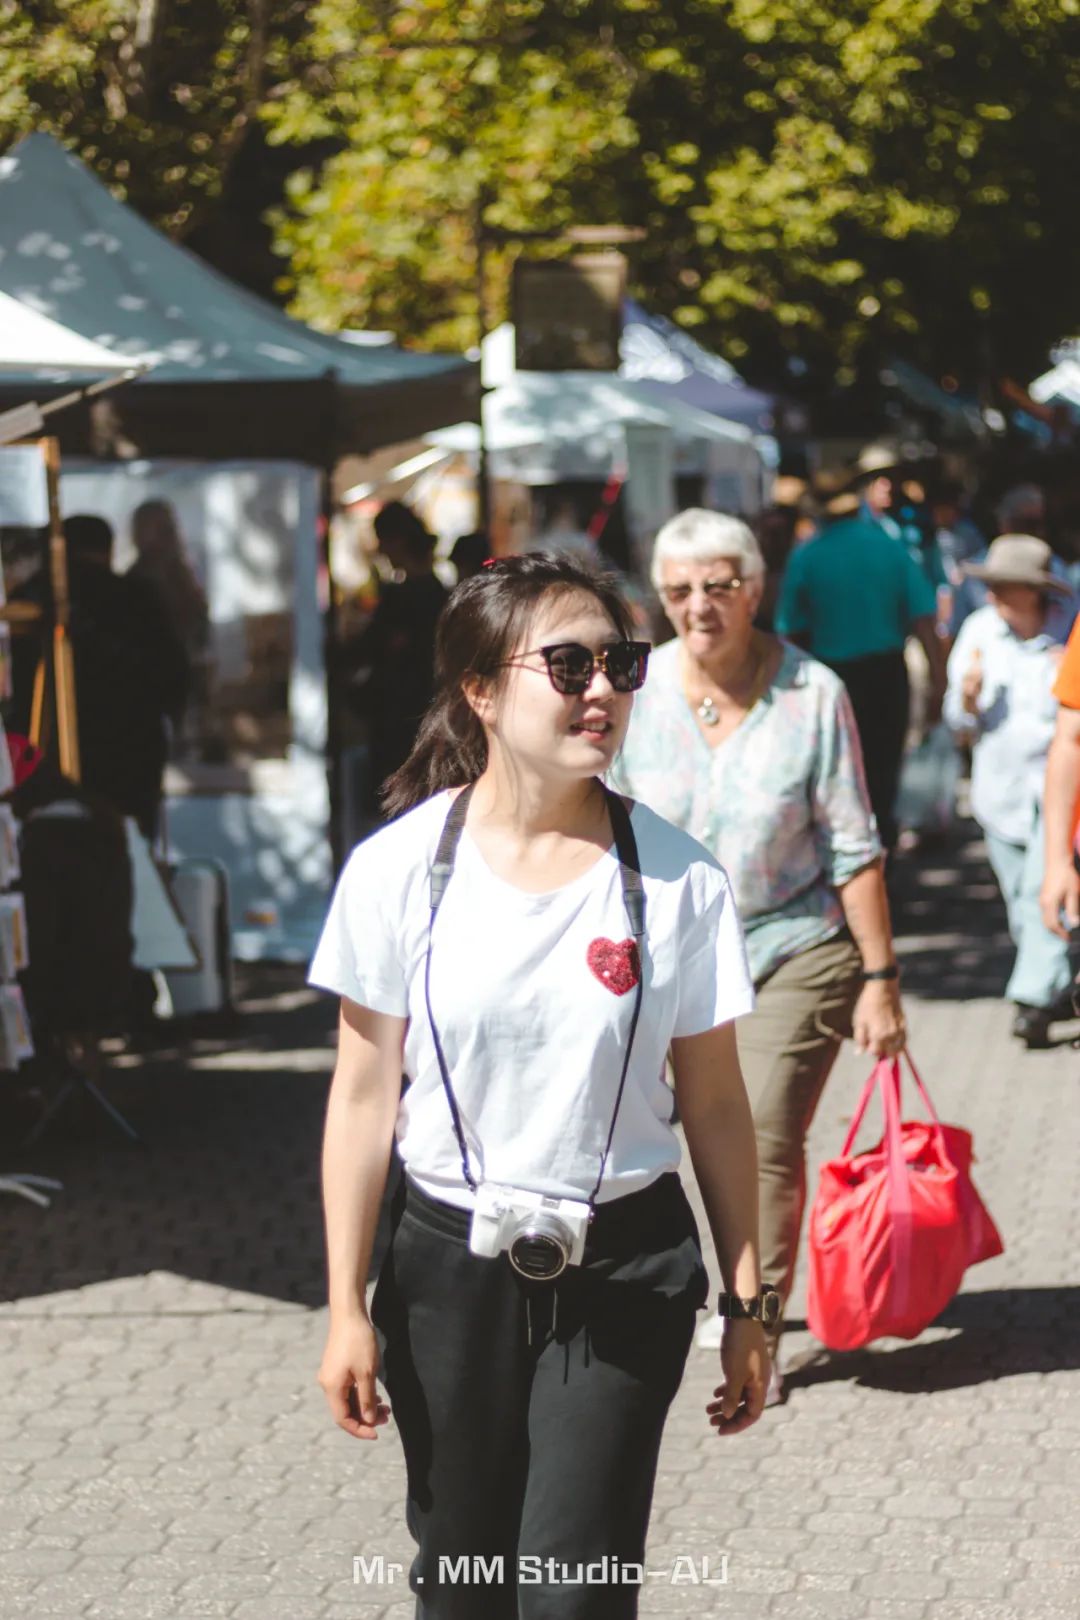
(542, 1235)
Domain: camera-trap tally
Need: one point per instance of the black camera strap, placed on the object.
(633, 892)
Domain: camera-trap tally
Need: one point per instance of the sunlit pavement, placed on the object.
(166, 1452)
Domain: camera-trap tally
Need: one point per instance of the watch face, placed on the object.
(770, 1307)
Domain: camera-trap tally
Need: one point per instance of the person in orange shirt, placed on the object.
(1060, 898)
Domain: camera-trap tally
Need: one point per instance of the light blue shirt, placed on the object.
(781, 803)
(1016, 715)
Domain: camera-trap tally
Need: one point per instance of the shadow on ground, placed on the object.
(953, 938)
(999, 1333)
(225, 1188)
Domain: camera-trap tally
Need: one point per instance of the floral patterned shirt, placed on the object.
(781, 802)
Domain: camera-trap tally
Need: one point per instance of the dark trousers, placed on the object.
(878, 688)
(531, 1413)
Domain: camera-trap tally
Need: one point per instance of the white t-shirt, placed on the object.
(526, 994)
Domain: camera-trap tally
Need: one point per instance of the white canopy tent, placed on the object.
(544, 427)
(236, 377)
(1061, 384)
(30, 341)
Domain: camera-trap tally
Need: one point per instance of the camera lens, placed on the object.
(539, 1249)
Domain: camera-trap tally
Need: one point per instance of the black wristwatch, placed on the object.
(763, 1307)
(890, 972)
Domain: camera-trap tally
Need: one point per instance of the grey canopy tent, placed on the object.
(233, 376)
(668, 363)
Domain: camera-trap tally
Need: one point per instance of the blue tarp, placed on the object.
(667, 362)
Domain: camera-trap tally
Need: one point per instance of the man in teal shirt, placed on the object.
(851, 597)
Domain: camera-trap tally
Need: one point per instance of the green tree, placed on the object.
(875, 175)
(500, 110)
(157, 96)
(826, 179)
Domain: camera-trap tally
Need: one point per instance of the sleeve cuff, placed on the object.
(737, 1007)
(376, 997)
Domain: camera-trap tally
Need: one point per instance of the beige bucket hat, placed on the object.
(1018, 559)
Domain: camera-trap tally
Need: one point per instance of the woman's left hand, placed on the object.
(740, 1399)
(878, 1020)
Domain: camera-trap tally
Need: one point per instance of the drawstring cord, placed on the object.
(554, 1328)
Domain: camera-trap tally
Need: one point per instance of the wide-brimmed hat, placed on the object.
(833, 492)
(1018, 559)
(787, 490)
(876, 458)
(873, 461)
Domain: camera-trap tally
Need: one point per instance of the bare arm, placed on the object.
(1061, 886)
(719, 1129)
(924, 629)
(878, 1019)
(357, 1140)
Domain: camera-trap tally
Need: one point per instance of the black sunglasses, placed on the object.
(571, 666)
(715, 590)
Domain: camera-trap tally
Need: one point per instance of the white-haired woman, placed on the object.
(750, 745)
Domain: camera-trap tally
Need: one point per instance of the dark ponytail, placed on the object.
(479, 628)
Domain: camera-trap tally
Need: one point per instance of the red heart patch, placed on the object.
(617, 966)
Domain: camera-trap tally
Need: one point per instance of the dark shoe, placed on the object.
(1032, 1026)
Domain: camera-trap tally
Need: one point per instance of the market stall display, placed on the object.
(16, 1042)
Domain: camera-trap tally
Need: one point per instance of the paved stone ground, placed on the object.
(166, 1452)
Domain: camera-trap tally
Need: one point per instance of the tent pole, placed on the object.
(483, 486)
(67, 727)
(331, 650)
(37, 703)
(331, 663)
(91, 391)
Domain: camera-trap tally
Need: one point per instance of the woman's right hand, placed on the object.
(972, 684)
(1060, 897)
(347, 1377)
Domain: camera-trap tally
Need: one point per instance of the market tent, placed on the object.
(1061, 384)
(668, 364)
(235, 377)
(31, 342)
(546, 427)
(958, 414)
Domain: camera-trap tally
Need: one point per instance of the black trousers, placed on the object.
(531, 1413)
(878, 688)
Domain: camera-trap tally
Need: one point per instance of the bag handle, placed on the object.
(899, 1184)
(923, 1093)
(885, 1077)
(863, 1104)
(872, 1085)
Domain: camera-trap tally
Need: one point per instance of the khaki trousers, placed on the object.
(787, 1048)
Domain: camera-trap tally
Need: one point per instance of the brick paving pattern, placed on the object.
(166, 1452)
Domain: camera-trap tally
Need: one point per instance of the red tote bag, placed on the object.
(893, 1230)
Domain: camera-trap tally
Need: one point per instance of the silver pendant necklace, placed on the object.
(708, 713)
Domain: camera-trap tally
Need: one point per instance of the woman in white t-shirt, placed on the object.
(530, 952)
